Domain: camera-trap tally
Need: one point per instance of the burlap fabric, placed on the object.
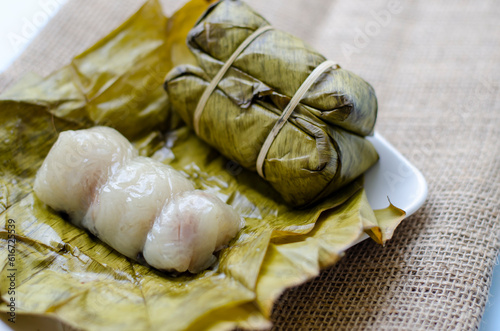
(435, 68)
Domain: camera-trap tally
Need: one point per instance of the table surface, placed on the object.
(20, 22)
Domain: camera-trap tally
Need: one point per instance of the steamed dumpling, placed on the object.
(77, 163)
(137, 205)
(125, 207)
(188, 230)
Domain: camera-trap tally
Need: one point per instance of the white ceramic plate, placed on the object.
(393, 177)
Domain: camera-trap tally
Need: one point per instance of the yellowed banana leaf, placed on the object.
(64, 274)
(327, 127)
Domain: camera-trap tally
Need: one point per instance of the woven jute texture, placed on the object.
(435, 68)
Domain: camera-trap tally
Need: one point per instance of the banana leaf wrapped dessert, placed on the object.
(268, 101)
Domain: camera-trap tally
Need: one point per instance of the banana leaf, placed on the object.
(65, 276)
(326, 129)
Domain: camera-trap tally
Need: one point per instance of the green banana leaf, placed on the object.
(327, 128)
(65, 276)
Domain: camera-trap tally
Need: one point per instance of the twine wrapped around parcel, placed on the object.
(251, 81)
(286, 113)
